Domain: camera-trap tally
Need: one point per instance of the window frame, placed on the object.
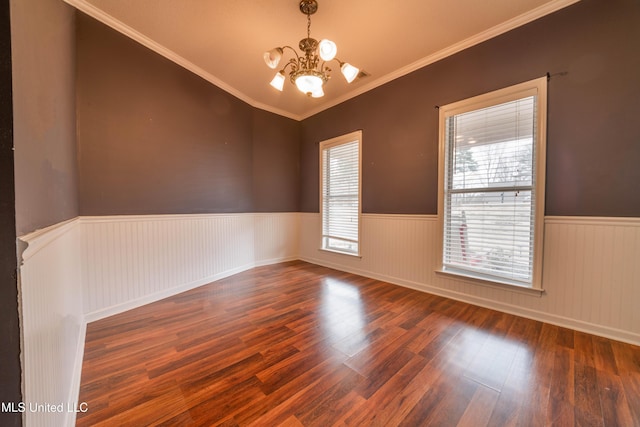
(355, 136)
(536, 87)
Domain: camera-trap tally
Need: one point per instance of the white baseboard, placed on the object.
(275, 261)
(594, 329)
(123, 262)
(148, 299)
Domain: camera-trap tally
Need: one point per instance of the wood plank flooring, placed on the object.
(296, 344)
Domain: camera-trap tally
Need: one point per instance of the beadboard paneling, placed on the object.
(591, 270)
(129, 261)
(275, 237)
(53, 327)
(92, 267)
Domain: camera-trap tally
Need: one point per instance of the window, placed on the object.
(491, 185)
(340, 193)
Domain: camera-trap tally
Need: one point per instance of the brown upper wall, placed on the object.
(43, 54)
(276, 163)
(10, 369)
(593, 143)
(154, 138)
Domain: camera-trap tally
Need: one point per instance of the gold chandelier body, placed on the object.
(309, 71)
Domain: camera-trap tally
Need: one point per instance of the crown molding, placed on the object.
(483, 36)
(497, 30)
(121, 27)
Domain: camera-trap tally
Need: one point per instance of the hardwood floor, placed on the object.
(297, 344)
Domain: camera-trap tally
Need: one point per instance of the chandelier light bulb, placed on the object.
(327, 50)
(278, 81)
(349, 72)
(272, 57)
(309, 84)
(319, 93)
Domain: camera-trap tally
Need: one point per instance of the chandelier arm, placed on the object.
(286, 65)
(293, 50)
(322, 67)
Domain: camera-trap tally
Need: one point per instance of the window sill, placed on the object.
(474, 280)
(331, 251)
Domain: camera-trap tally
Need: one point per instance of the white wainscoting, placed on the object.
(130, 261)
(92, 267)
(591, 269)
(275, 237)
(53, 327)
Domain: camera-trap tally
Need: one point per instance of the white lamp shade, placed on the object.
(272, 57)
(278, 81)
(327, 49)
(349, 72)
(309, 84)
(319, 93)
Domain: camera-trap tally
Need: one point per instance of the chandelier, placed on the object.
(306, 71)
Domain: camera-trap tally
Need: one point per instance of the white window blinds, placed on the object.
(341, 195)
(490, 192)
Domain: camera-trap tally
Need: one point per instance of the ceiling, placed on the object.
(223, 40)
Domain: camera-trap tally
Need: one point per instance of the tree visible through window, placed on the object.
(492, 182)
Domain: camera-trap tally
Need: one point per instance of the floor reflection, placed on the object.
(497, 362)
(342, 311)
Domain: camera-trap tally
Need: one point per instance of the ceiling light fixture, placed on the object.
(307, 72)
